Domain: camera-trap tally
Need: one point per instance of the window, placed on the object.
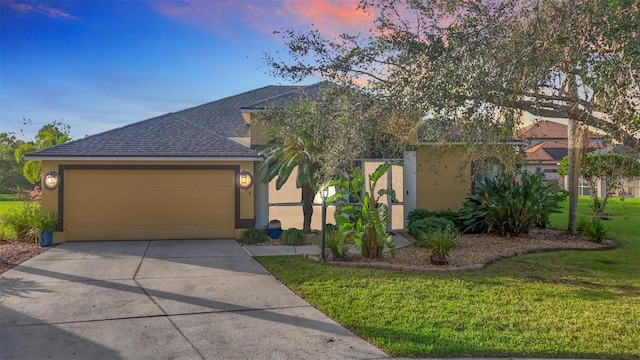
(629, 187)
(583, 187)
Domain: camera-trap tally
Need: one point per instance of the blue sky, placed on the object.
(97, 65)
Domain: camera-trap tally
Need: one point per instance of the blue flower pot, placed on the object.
(275, 229)
(46, 238)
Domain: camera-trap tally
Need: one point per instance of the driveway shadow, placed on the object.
(20, 288)
(263, 314)
(23, 342)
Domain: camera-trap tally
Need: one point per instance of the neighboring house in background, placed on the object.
(179, 176)
(547, 144)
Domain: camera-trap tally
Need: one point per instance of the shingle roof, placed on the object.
(544, 130)
(200, 131)
(551, 151)
(286, 99)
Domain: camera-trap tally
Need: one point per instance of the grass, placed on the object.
(579, 304)
(8, 197)
(7, 201)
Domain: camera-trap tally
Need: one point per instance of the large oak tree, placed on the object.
(475, 66)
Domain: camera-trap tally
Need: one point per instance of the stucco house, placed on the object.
(184, 175)
(547, 144)
(175, 176)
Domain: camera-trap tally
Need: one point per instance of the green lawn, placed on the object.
(579, 304)
(7, 201)
(8, 197)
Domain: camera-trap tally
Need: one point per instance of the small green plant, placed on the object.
(292, 236)
(428, 225)
(21, 220)
(593, 228)
(441, 241)
(335, 240)
(254, 236)
(43, 221)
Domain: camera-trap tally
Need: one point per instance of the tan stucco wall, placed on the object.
(257, 132)
(290, 215)
(50, 197)
(443, 177)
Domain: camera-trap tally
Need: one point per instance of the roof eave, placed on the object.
(142, 158)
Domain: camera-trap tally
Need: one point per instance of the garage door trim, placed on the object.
(239, 223)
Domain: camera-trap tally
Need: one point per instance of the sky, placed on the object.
(97, 65)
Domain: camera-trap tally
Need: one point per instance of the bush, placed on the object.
(594, 229)
(441, 241)
(510, 204)
(335, 240)
(420, 227)
(292, 236)
(21, 220)
(254, 236)
(418, 214)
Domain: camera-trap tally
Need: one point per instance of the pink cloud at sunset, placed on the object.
(330, 17)
(41, 8)
(223, 17)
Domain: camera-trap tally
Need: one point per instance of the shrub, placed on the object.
(365, 223)
(254, 236)
(21, 220)
(418, 214)
(594, 229)
(43, 221)
(420, 227)
(335, 240)
(292, 236)
(441, 241)
(510, 204)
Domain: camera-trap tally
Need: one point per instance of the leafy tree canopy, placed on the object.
(464, 64)
(339, 126)
(51, 134)
(10, 171)
(612, 168)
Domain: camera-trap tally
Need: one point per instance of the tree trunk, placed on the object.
(307, 207)
(572, 172)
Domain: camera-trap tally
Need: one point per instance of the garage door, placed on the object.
(149, 204)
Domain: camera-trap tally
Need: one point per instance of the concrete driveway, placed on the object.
(194, 299)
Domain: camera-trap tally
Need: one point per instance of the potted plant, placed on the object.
(441, 242)
(44, 224)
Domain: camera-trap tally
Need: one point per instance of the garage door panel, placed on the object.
(149, 204)
(140, 232)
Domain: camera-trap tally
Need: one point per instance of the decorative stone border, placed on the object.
(419, 269)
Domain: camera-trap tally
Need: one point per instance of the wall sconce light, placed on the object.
(51, 180)
(245, 180)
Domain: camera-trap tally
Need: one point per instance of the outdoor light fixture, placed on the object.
(245, 180)
(324, 194)
(51, 180)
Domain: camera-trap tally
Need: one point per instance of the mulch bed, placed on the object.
(14, 252)
(474, 252)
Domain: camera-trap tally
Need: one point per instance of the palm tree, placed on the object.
(284, 154)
